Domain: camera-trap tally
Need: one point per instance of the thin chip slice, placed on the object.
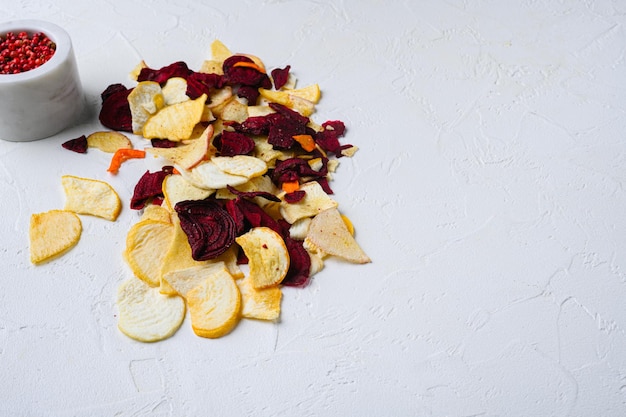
(260, 304)
(147, 243)
(175, 91)
(144, 100)
(244, 165)
(267, 255)
(156, 212)
(108, 141)
(328, 233)
(209, 176)
(214, 305)
(233, 110)
(219, 51)
(92, 197)
(176, 188)
(53, 233)
(185, 280)
(175, 122)
(315, 201)
(302, 100)
(147, 315)
(189, 153)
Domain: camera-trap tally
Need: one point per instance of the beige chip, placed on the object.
(261, 304)
(188, 153)
(267, 254)
(52, 234)
(89, 196)
(108, 142)
(175, 122)
(147, 243)
(145, 100)
(147, 315)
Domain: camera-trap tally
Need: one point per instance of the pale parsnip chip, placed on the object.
(329, 234)
(176, 188)
(315, 201)
(147, 243)
(189, 153)
(186, 279)
(243, 165)
(92, 197)
(234, 111)
(108, 141)
(260, 304)
(175, 91)
(147, 315)
(144, 100)
(214, 305)
(267, 255)
(52, 234)
(209, 176)
(175, 122)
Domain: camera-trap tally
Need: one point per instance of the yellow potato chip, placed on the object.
(156, 212)
(109, 141)
(147, 315)
(175, 91)
(329, 234)
(315, 201)
(144, 100)
(214, 305)
(189, 153)
(261, 304)
(267, 254)
(176, 188)
(147, 244)
(175, 122)
(89, 196)
(53, 233)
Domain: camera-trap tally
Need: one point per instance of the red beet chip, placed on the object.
(115, 111)
(256, 125)
(289, 114)
(78, 145)
(282, 131)
(250, 93)
(112, 89)
(296, 168)
(237, 215)
(324, 183)
(299, 271)
(253, 194)
(335, 125)
(209, 227)
(233, 143)
(280, 76)
(161, 75)
(149, 186)
(163, 143)
(294, 196)
(255, 215)
(199, 83)
(235, 75)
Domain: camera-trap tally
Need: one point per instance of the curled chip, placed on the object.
(315, 201)
(176, 188)
(261, 304)
(147, 315)
(147, 243)
(175, 91)
(145, 100)
(209, 176)
(89, 196)
(189, 153)
(108, 142)
(175, 122)
(329, 234)
(214, 305)
(52, 234)
(267, 255)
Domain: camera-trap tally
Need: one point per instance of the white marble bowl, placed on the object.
(39, 103)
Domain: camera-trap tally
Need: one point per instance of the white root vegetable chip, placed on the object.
(147, 315)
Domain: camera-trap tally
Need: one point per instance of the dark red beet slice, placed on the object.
(149, 186)
(209, 227)
(115, 111)
(78, 145)
(280, 76)
(235, 75)
(233, 143)
(295, 196)
(199, 83)
(252, 194)
(161, 75)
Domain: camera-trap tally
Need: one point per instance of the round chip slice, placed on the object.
(175, 122)
(267, 254)
(52, 234)
(109, 142)
(147, 315)
(89, 196)
(147, 244)
(176, 188)
(261, 304)
(214, 305)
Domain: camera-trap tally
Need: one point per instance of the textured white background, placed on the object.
(488, 190)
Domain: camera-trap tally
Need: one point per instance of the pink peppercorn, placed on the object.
(20, 52)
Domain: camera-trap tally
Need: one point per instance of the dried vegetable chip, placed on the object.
(147, 244)
(267, 256)
(260, 304)
(53, 233)
(108, 142)
(89, 196)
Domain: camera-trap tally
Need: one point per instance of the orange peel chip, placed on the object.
(52, 234)
(92, 197)
(267, 255)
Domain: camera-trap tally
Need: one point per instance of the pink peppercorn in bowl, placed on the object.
(46, 96)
